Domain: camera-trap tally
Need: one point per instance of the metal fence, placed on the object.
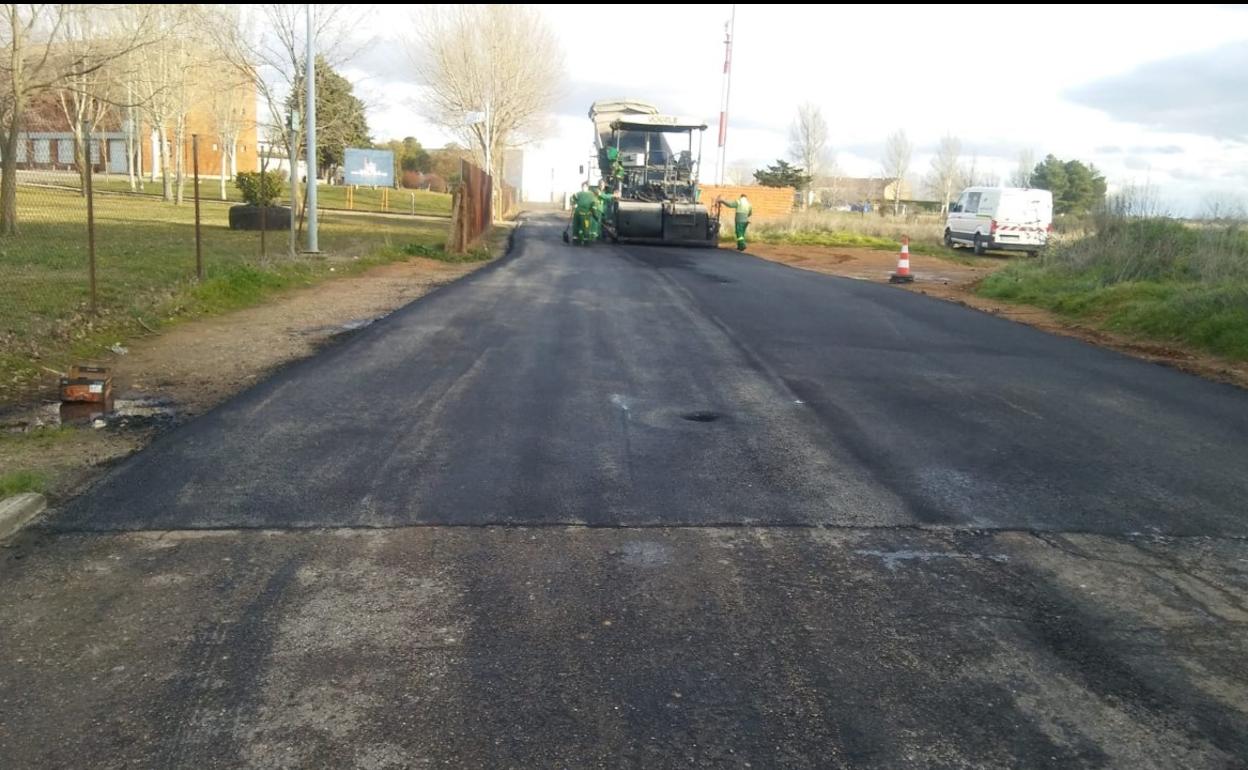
(472, 208)
(477, 202)
(116, 244)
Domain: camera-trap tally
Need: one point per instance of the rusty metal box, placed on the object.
(87, 384)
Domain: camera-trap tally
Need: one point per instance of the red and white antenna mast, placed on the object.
(729, 28)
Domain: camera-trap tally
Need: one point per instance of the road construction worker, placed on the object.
(600, 203)
(583, 204)
(742, 205)
(604, 205)
(617, 167)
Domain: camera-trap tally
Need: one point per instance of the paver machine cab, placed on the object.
(647, 162)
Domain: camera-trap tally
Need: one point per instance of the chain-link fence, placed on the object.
(136, 237)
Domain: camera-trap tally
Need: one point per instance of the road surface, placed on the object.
(634, 506)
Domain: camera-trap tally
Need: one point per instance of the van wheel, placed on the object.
(949, 244)
(979, 246)
(1033, 254)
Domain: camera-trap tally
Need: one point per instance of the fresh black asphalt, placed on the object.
(644, 507)
(631, 386)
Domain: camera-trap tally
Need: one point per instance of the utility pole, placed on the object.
(310, 79)
(489, 141)
(292, 133)
(729, 29)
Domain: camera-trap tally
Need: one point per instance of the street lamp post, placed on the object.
(292, 129)
(310, 79)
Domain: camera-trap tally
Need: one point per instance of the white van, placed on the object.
(995, 218)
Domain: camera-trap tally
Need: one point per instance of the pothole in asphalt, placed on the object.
(701, 416)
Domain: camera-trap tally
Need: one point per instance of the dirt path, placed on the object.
(199, 364)
(956, 283)
(188, 369)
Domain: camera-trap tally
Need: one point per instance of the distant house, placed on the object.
(835, 191)
(47, 143)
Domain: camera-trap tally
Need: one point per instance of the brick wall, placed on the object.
(766, 202)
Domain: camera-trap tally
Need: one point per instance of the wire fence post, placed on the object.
(86, 132)
(199, 255)
(264, 220)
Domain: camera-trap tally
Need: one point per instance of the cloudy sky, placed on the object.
(1153, 95)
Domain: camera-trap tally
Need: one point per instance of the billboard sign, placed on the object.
(370, 168)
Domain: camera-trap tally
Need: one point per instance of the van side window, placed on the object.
(972, 203)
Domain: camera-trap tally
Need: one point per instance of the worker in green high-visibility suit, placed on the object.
(742, 206)
(600, 203)
(617, 167)
(583, 204)
(604, 200)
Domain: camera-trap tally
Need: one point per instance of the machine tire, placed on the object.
(979, 246)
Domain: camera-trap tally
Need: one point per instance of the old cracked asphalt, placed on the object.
(645, 507)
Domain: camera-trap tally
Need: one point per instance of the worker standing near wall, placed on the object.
(742, 205)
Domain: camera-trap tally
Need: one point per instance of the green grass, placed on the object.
(440, 254)
(847, 230)
(846, 239)
(41, 438)
(17, 482)
(146, 267)
(328, 197)
(1156, 279)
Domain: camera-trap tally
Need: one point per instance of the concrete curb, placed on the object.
(17, 510)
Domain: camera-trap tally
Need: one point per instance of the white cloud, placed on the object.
(1049, 79)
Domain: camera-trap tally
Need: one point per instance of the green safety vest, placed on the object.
(743, 210)
(584, 201)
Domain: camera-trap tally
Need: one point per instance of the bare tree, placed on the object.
(808, 144)
(1219, 206)
(974, 175)
(189, 66)
(831, 181)
(229, 119)
(1026, 166)
(84, 97)
(739, 174)
(158, 84)
(492, 72)
(28, 34)
(267, 45)
(92, 52)
(944, 177)
(897, 151)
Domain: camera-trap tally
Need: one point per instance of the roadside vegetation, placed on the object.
(1159, 278)
(18, 482)
(146, 267)
(422, 202)
(845, 229)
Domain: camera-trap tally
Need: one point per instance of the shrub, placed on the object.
(411, 179)
(435, 183)
(260, 189)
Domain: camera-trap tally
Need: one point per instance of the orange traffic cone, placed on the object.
(903, 264)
